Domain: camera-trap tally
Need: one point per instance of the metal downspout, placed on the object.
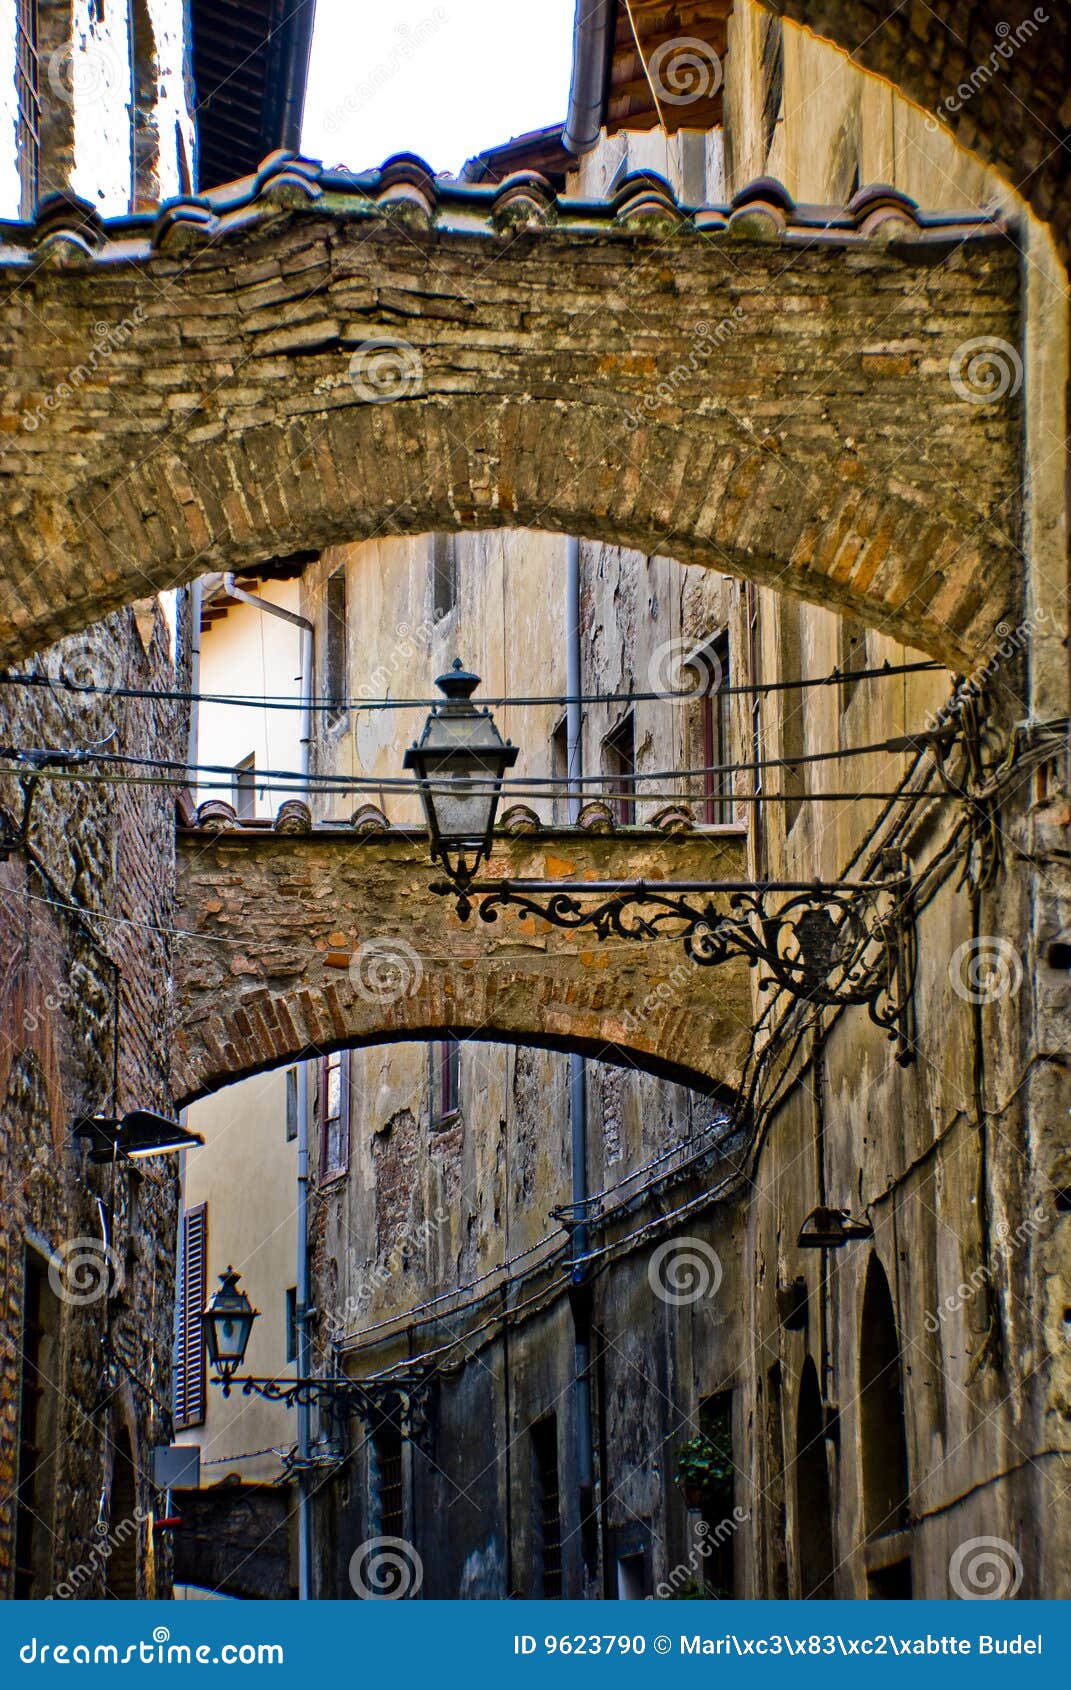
(578, 1090)
(593, 34)
(303, 1311)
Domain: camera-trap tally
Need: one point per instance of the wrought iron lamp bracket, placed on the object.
(824, 944)
(402, 1404)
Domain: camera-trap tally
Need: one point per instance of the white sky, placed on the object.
(442, 78)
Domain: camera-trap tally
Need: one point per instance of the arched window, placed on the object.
(814, 1514)
(881, 1410)
(123, 1525)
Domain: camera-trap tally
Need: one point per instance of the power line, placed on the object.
(520, 701)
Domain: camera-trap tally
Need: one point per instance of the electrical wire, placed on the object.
(281, 701)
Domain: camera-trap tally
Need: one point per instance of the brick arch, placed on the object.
(294, 946)
(1016, 120)
(738, 387)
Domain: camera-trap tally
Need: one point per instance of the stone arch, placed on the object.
(815, 1552)
(333, 357)
(882, 1424)
(294, 946)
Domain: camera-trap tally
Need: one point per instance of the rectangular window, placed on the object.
(445, 1081)
(851, 656)
(334, 1114)
(291, 1324)
(292, 1082)
(715, 701)
(548, 1523)
(444, 575)
(245, 788)
(191, 1362)
(28, 94)
(390, 1487)
(336, 650)
(559, 768)
(793, 745)
(716, 1425)
(619, 760)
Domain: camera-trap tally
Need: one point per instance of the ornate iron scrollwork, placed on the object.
(403, 1403)
(823, 944)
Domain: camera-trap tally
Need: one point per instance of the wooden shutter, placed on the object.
(191, 1371)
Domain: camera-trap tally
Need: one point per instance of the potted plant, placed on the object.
(704, 1467)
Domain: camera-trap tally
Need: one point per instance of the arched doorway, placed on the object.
(121, 1577)
(883, 1434)
(814, 1514)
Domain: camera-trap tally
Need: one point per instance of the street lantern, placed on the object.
(460, 762)
(228, 1322)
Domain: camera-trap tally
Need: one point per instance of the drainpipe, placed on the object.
(580, 1289)
(303, 1311)
(196, 597)
(593, 34)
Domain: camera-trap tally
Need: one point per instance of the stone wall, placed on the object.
(84, 961)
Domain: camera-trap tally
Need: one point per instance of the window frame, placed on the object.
(620, 745)
(335, 1169)
(444, 1083)
(244, 787)
(336, 650)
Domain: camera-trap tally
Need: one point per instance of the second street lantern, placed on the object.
(460, 761)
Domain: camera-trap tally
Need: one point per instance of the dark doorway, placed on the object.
(881, 1410)
(122, 1565)
(814, 1512)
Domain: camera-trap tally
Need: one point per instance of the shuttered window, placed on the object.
(191, 1363)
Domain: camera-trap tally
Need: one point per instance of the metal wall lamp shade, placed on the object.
(460, 761)
(139, 1133)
